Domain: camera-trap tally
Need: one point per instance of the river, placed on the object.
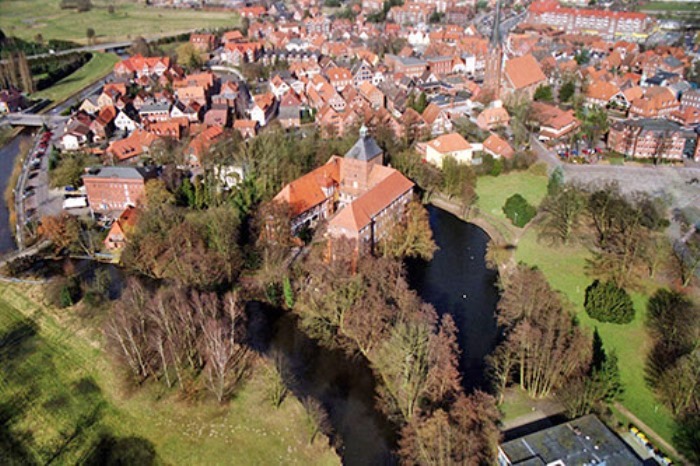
(8, 154)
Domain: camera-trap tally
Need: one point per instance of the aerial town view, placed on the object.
(358, 232)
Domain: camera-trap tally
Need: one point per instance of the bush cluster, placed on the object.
(607, 302)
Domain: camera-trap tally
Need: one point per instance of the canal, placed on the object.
(8, 155)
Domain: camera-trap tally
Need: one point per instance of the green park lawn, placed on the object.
(671, 6)
(27, 18)
(59, 392)
(493, 191)
(564, 267)
(100, 65)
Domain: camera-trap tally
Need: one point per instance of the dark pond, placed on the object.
(8, 154)
(458, 282)
(455, 281)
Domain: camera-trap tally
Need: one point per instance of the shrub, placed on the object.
(518, 210)
(607, 302)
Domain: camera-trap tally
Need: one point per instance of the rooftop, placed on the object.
(365, 149)
(583, 441)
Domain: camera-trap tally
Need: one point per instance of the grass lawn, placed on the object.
(27, 18)
(494, 190)
(100, 65)
(61, 394)
(564, 269)
(670, 6)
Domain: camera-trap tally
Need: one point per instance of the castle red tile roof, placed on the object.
(306, 192)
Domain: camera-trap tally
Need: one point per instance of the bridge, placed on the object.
(32, 120)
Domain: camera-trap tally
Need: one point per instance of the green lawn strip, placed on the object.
(100, 65)
(564, 269)
(493, 191)
(670, 6)
(27, 18)
(246, 431)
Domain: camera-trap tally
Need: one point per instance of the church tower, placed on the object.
(494, 58)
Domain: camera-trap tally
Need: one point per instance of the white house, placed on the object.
(75, 138)
(126, 122)
(278, 87)
(453, 145)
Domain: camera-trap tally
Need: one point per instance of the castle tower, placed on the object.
(494, 58)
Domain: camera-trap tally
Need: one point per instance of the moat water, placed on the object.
(456, 281)
(8, 155)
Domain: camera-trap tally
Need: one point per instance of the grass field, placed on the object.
(564, 269)
(493, 192)
(100, 65)
(671, 6)
(59, 396)
(27, 18)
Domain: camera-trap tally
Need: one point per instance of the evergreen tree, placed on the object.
(607, 302)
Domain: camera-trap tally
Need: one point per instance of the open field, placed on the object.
(564, 269)
(671, 6)
(27, 18)
(100, 65)
(61, 396)
(494, 191)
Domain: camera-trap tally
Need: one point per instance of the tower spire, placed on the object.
(496, 33)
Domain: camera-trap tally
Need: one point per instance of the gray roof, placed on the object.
(155, 107)
(129, 173)
(407, 61)
(365, 149)
(583, 441)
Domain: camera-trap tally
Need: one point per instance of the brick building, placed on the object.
(115, 188)
(610, 25)
(360, 197)
(650, 138)
(408, 66)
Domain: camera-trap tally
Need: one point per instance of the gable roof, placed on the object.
(306, 192)
(448, 143)
(498, 146)
(524, 71)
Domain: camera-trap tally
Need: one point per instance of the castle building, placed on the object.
(359, 197)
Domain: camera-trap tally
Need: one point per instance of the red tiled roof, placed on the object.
(306, 192)
(524, 71)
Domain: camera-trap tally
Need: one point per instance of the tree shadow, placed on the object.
(117, 451)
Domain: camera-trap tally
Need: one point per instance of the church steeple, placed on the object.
(496, 33)
(494, 58)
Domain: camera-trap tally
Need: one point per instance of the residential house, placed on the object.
(203, 42)
(264, 108)
(138, 65)
(190, 112)
(374, 96)
(602, 93)
(76, 136)
(437, 119)
(289, 114)
(89, 105)
(554, 122)
(658, 102)
(493, 117)
(111, 189)
(449, 145)
(122, 227)
(103, 126)
(131, 147)
(202, 143)
(247, 128)
(278, 86)
(217, 115)
(156, 111)
(498, 147)
(127, 120)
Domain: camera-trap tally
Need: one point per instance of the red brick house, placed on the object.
(112, 189)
